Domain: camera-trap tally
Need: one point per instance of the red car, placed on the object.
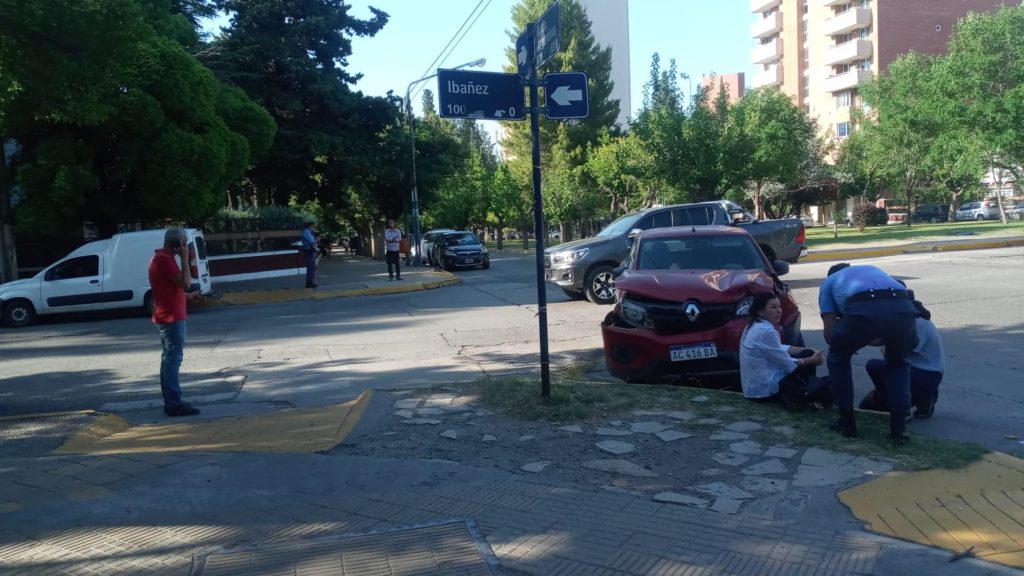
(682, 300)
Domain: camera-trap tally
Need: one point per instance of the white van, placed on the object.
(100, 275)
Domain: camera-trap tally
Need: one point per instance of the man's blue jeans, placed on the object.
(310, 267)
(172, 338)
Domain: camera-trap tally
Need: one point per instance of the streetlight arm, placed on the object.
(418, 261)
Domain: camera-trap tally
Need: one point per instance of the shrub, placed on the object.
(867, 215)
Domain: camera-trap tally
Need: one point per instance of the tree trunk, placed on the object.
(999, 196)
(8, 255)
(565, 232)
(501, 233)
(758, 208)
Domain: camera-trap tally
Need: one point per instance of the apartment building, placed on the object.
(734, 85)
(609, 21)
(819, 51)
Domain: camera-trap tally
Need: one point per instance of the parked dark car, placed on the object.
(460, 249)
(683, 299)
(1016, 212)
(931, 213)
(582, 268)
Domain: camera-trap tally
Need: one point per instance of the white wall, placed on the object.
(610, 24)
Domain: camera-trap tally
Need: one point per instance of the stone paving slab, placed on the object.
(455, 547)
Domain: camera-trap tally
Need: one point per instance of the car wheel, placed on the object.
(934, 220)
(486, 265)
(574, 294)
(148, 306)
(601, 285)
(19, 313)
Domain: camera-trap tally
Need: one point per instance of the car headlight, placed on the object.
(633, 313)
(484, 250)
(743, 306)
(569, 255)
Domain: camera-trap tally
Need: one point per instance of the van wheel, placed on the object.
(601, 285)
(19, 313)
(980, 218)
(147, 304)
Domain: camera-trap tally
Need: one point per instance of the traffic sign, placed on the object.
(566, 95)
(480, 95)
(547, 31)
(524, 52)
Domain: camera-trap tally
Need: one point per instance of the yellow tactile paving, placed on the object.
(298, 430)
(980, 506)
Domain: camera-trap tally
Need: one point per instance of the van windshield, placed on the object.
(621, 225)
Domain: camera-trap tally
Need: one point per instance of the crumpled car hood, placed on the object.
(705, 285)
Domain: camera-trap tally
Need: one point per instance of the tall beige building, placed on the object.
(819, 51)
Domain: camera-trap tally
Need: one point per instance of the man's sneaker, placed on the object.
(925, 410)
(184, 409)
(847, 430)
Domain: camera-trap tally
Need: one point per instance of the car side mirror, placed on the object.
(781, 267)
(616, 272)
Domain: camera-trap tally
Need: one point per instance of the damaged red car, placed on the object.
(683, 296)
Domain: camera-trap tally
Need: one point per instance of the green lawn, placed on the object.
(822, 237)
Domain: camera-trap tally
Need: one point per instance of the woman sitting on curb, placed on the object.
(770, 370)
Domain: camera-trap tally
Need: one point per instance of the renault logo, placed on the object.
(692, 312)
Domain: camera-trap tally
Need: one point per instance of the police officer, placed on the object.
(862, 305)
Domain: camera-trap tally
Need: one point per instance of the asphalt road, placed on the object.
(308, 353)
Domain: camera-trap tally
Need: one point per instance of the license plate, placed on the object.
(695, 352)
(465, 261)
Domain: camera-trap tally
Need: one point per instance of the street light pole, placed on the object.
(418, 261)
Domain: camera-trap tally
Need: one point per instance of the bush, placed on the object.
(865, 215)
(248, 223)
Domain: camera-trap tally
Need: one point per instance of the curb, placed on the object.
(922, 247)
(297, 294)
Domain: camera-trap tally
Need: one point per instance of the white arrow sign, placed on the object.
(563, 95)
(523, 55)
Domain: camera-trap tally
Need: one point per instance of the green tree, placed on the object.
(624, 171)
(290, 56)
(659, 126)
(580, 52)
(773, 137)
(510, 201)
(985, 80)
(117, 123)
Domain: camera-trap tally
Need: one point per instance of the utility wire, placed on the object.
(459, 41)
(452, 39)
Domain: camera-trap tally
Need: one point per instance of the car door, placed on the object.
(73, 284)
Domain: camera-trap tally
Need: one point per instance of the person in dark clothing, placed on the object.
(309, 248)
(862, 305)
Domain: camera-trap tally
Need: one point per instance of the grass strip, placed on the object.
(582, 401)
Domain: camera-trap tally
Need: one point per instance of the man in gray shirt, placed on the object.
(927, 365)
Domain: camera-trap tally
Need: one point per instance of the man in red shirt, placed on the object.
(168, 281)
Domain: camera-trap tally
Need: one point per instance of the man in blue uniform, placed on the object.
(861, 305)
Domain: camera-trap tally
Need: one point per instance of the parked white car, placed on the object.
(427, 244)
(985, 210)
(100, 275)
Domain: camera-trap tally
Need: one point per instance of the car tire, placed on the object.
(19, 313)
(934, 220)
(980, 218)
(148, 305)
(600, 285)
(574, 294)
(486, 265)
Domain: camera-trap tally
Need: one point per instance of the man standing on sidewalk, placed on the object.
(309, 248)
(861, 306)
(392, 243)
(168, 281)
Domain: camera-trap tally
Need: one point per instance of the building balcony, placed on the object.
(847, 52)
(847, 80)
(829, 3)
(852, 19)
(767, 26)
(763, 5)
(771, 77)
(767, 53)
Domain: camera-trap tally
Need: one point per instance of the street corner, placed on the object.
(851, 254)
(246, 297)
(299, 430)
(430, 281)
(978, 509)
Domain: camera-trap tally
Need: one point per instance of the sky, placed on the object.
(703, 36)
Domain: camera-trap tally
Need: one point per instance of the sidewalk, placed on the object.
(855, 251)
(340, 276)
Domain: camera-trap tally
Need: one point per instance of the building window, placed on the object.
(805, 35)
(865, 3)
(865, 64)
(865, 33)
(843, 99)
(805, 7)
(842, 129)
(938, 27)
(842, 69)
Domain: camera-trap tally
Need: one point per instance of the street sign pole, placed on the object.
(538, 228)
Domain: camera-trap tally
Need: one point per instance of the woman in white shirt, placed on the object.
(770, 370)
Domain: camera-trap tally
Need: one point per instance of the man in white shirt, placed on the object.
(392, 244)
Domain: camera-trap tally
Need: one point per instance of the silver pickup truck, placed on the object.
(583, 268)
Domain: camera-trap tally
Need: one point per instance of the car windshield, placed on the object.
(700, 253)
(621, 226)
(460, 239)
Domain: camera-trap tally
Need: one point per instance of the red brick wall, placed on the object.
(262, 263)
(905, 25)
